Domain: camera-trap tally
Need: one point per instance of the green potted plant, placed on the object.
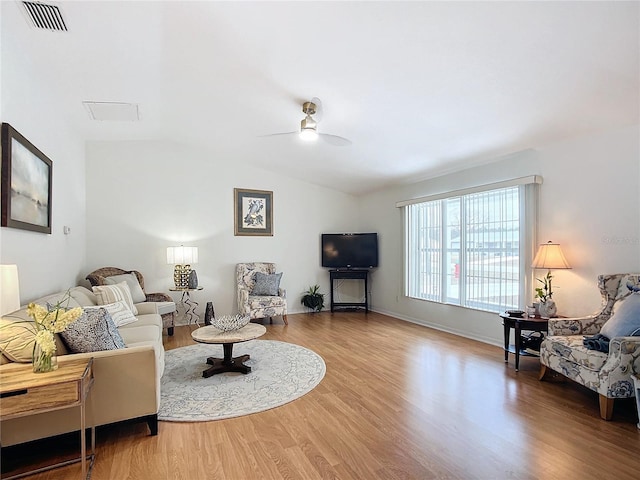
(313, 299)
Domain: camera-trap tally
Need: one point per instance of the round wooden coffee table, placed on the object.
(211, 334)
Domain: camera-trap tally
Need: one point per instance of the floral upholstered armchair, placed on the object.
(259, 292)
(165, 304)
(608, 374)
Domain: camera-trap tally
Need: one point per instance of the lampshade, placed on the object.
(550, 256)
(9, 289)
(182, 255)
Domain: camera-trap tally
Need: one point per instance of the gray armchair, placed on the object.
(259, 306)
(165, 304)
(608, 374)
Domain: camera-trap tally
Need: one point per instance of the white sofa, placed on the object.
(127, 381)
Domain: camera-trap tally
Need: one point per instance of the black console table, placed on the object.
(350, 275)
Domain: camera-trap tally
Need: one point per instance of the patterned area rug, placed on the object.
(280, 373)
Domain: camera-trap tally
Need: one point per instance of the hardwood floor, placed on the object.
(399, 401)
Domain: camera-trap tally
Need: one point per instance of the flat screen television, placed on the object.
(350, 250)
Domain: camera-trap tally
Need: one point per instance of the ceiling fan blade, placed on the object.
(335, 140)
(278, 134)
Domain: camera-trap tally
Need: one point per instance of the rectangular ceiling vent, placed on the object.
(47, 17)
(113, 111)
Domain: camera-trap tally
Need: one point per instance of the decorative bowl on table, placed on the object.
(229, 323)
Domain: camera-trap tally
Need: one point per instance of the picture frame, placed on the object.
(26, 184)
(253, 212)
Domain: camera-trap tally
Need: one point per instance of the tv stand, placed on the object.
(350, 275)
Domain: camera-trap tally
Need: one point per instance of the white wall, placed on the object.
(46, 263)
(589, 203)
(145, 196)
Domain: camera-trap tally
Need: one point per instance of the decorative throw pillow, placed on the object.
(16, 339)
(92, 332)
(137, 294)
(115, 293)
(625, 322)
(120, 313)
(266, 284)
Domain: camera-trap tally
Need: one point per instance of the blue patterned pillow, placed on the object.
(94, 331)
(266, 284)
(625, 322)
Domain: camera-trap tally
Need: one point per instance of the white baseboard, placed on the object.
(424, 323)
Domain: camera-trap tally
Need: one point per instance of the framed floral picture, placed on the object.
(253, 212)
(26, 183)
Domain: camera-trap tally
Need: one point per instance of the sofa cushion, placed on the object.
(94, 331)
(141, 335)
(266, 284)
(625, 322)
(263, 301)
(83, 296)
(143, 320)
(571, 348)
(119, 312)
(137, 294)
(113, 293)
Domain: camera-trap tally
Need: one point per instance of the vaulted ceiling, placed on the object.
(420, 88)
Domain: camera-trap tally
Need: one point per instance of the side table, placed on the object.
(24, 393)
(350, 275)
(190, 305)
(534, 324)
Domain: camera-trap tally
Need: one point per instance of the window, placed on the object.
(471, 248)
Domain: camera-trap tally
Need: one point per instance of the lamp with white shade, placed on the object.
(549, 256)
(183, 257)
(9, 289)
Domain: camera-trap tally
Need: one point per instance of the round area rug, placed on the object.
(280, 373)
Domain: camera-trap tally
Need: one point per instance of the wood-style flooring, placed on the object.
(399, 401)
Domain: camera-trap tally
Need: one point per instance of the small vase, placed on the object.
(548, 309)
(43, 362)
(209, 313)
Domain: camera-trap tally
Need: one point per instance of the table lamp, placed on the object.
(183, 257)
(9, 289)
(549, 256)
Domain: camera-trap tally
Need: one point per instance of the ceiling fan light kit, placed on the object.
(309, 127)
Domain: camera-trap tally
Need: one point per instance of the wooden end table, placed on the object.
(534, 324)
(211, 334)
(24, 393)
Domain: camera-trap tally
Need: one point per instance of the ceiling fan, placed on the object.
(309, 126)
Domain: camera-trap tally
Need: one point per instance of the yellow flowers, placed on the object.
(47, 343)
(50, 321)
(55, 320)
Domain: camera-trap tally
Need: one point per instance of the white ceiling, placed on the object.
(420, 88)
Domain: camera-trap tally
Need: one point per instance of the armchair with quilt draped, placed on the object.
(164, 303)
(607, 373)
(259, 304)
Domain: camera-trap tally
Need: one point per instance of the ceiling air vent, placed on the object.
(42, 15)
(113, 111)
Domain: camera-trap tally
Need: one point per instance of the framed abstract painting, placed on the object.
(253, 212)
(26, 183)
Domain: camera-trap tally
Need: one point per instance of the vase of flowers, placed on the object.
(48, 322)
(547, 307)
